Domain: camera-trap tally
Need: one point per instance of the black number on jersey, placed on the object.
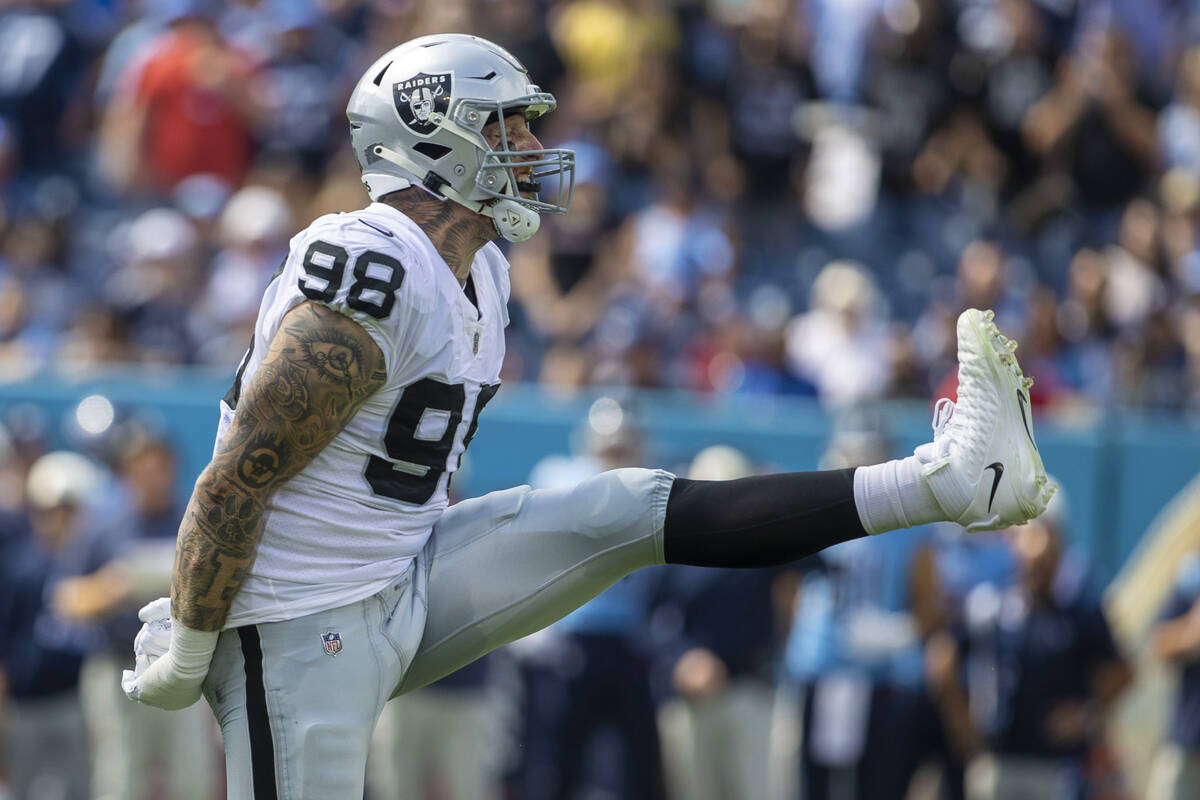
(486, 393)
(414, 465)
(327, 263)
(377, 276)
(370, 293)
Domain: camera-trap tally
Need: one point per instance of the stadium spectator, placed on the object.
(1176, 639)
(906, 84)
(303, 82)
(588, 722)
(606, 46)
(1134, 287)
(47, 751)
(42, 85)
(254, 229)
(151, 290)
(1179, 123)
(183, 108)
(1151, 365)
(1008, 58)
(717, 636)
(40, 292)
(1043, 351)
(1041, 671)
(520, 27)
(445, 740)
(910, 129)
(1084, 323)
(1097, 123)
(764, 87)
(855, 650)
(677, 246)
(841, 344)
(962, 562)
(139, 751)
(563, 277)
(984, 281)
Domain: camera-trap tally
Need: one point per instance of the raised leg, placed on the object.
(504, 565)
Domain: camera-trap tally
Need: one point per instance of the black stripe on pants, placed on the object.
(262, 746)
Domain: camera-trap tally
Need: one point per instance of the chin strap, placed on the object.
(512, 220)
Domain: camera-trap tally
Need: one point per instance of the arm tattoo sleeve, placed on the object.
(319, 370)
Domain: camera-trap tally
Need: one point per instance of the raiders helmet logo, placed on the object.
(419, 98)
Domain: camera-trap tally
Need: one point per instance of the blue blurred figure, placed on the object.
(46, 748)
(1041, 671)
(136, 747)
(588, 713)
(855, 651)
(717, 635)
(445, 740)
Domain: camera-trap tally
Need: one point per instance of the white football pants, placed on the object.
(297, 721)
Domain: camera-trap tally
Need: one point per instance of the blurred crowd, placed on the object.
(923, 664)
(773, 196)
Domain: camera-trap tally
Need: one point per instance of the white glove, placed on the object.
(152, 641)
(155, 636)
(170, 659)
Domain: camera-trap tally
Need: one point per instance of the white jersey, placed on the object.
(353, 519)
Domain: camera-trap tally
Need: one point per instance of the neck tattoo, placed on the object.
(455, 231)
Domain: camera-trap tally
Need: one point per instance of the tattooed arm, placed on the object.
(320, 368)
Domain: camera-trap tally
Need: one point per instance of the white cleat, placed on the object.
(983, 465)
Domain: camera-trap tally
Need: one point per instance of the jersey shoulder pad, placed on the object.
(377, 281)
(380, 275)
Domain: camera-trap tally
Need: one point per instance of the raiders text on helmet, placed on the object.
(417, 116)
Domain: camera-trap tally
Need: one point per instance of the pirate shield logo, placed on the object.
(419, 97)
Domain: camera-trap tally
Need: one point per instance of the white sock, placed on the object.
(892, 495)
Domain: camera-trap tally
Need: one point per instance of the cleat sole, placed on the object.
(998, 350)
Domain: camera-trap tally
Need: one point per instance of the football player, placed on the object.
(318, 569)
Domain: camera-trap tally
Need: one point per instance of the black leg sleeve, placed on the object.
(760, 521)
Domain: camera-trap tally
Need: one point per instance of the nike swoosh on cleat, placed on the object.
(376, 228)
(1025, 418)
(997, 471)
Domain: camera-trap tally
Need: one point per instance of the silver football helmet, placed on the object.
(417, 116)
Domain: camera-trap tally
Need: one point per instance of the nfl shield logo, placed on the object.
(419, 98)
(332, 642)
